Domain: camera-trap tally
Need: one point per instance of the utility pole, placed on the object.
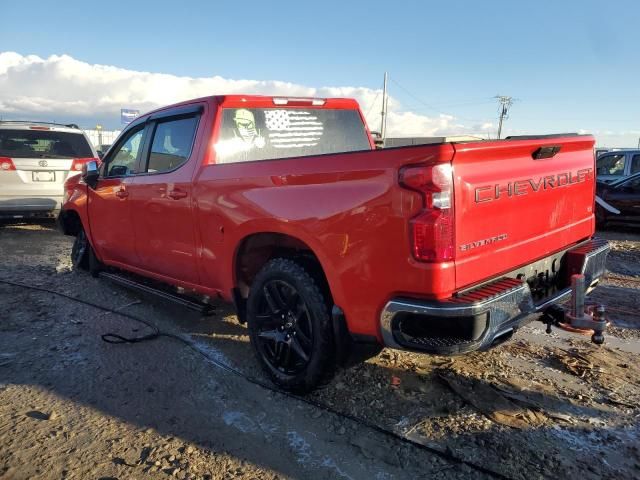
(383, 114)
(505, 103)
(99, 129)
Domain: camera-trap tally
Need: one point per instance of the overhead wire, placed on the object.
(432, 107)
(373, 104)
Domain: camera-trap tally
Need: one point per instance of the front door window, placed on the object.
(123, 161)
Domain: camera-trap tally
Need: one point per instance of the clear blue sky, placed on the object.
(570, 64)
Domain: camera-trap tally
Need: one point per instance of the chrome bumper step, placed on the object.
(496, 308)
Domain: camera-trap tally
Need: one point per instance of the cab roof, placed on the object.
(283, 101)
(266, 101)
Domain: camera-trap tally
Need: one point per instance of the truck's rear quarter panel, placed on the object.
(348, 208)
(512, 209)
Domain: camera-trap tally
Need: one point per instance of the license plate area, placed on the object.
(43, 176)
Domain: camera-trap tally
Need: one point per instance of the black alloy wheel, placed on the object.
(79, 251)
(290, 326)
(285, 331)
(82, 255)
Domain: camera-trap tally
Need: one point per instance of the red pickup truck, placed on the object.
(324, 244)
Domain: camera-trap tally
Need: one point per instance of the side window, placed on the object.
(611, 164)
(635, 164)
(172, 144)
(123, 160)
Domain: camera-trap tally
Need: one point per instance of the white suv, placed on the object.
(35, 160)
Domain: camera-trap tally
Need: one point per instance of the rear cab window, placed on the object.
(249, 134)
(23, 143)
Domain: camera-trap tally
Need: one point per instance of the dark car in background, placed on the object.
(618, 202)
(617, 164)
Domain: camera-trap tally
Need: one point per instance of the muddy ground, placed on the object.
(73, 406)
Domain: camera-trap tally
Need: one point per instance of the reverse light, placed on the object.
(432, 230)
(6, 164)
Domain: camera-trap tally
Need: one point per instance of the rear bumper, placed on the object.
(30, 206)
(482, 317)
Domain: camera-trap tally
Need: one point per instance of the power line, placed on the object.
(505, 104)
(415, 97)
(373, 104)
(433, 108)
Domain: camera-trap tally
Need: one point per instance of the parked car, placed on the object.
(617, 164)
(35, 160)
(619, 202)
(325, 244)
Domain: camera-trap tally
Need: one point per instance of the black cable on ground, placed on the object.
(118, 339)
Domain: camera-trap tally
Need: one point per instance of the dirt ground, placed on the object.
(73, 406)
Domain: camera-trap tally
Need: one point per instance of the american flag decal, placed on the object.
(292, 128)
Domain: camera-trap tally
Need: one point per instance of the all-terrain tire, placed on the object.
(312, 319)
(83, 256)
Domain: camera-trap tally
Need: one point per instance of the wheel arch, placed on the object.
(256, 249)
(70, 222)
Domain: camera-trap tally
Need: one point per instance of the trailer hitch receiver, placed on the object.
(580, 318)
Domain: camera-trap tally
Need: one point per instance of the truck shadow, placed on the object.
(520, 398)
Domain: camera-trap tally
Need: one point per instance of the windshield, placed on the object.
(259, 133)
(43, 144)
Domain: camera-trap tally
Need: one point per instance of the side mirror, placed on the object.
(90, 173)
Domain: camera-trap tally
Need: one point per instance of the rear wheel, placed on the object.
(82, 255)
(290, 326)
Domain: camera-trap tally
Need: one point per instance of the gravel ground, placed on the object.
(72, 406)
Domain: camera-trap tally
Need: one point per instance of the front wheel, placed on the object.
(82, 255)
(290, 326)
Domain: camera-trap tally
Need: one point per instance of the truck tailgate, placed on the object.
(513, 208)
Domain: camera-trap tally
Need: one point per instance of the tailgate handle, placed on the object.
(545, 152)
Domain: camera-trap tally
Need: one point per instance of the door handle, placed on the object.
(122, 193)
(177, 194)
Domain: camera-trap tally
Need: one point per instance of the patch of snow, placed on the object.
(300, 446)
(328, 462)
(240, 421)
(209, 351)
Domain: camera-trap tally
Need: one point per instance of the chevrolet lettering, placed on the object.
(523, 187)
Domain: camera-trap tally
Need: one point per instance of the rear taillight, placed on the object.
(6, 164)
(432, 230)
(76, 165)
